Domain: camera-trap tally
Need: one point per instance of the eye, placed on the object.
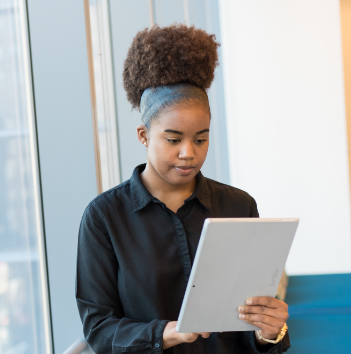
(200, 141)
(173, 141)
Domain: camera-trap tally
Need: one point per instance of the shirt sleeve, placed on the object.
(253, 209)
(246, 344)
(105, 327)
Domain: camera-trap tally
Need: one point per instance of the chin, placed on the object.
(177, 179)
(181, 181)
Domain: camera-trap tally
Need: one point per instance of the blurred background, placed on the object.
(280, 130)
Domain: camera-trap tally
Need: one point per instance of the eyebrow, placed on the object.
(180, 133)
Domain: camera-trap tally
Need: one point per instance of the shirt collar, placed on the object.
(142, 197)
(202, 191)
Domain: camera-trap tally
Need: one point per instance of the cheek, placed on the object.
(202, 152)
(161, 153)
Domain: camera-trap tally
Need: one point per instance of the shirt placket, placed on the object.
(183, 245)
(198, 345)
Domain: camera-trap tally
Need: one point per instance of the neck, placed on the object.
(172, 195)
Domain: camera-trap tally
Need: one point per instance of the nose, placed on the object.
(186, 151)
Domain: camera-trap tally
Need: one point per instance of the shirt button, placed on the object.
(157, 345)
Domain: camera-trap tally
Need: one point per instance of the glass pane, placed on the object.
(104, 93)
(24, 315)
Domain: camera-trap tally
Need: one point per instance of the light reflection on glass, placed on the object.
(104, 93)
(23, 302)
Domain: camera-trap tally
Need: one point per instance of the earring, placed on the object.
(145, 143)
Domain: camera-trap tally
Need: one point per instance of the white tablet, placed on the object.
(237, 258)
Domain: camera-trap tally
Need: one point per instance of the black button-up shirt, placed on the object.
(134, 261)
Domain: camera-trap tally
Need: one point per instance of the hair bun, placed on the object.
(168, 55)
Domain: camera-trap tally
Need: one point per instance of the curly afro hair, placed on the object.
(168, 55)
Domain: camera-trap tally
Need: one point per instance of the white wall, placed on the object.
(286, 121)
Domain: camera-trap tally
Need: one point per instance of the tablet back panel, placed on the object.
(236, 259)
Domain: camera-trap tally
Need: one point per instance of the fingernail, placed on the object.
(242, 316)
(241, 308)
(249, 301)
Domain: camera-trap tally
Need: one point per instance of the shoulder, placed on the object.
(228, 192)
(232, 198)
(111, 198)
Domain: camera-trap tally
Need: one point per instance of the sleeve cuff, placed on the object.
(158, 343)
(278, 348)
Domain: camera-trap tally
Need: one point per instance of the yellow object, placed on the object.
(280, 336)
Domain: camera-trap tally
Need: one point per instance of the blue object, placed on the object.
(155, 99)
(320, 313)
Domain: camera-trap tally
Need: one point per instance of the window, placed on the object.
(24, 310)
(102, 84)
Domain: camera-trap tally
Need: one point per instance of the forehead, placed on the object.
(184, 118)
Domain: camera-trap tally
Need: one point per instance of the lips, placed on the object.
(184, 170)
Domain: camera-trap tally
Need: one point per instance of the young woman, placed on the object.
(138, 240)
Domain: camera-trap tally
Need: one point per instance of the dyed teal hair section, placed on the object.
(156, 99)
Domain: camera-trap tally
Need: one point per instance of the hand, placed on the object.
(171, 337)
(267, 313)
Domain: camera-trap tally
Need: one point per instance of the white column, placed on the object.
(286, 121)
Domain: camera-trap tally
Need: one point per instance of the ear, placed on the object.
(142, 134)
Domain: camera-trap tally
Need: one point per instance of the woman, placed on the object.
(138, 240)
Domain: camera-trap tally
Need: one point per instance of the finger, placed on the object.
(266, 330)
(279, 314)
(263, 319)
(190, 337)
(267, 301)
(205, 334)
